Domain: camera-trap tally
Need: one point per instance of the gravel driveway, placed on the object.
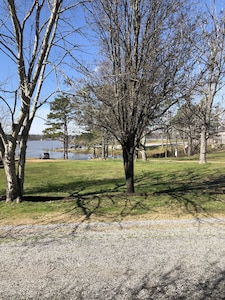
(182, 259)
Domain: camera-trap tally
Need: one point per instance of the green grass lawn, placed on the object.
(71, 191)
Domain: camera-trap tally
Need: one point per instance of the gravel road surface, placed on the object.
(164, 259)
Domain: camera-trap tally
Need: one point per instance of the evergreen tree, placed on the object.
(61, 113)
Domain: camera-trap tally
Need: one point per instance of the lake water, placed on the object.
(36, 148)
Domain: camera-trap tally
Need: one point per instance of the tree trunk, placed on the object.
(128, 160)
(203, 145)
(65, 147)
(94, 151)
(103, 148)
(22, 155)
(14, 177)
(21, 163)
(144, 155)
(13, 189)
(190, 146)
(143, 151)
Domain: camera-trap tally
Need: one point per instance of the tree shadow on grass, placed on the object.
(42, 198)
(87, 196)
(103, 192)
(188, 191)
(181, 191)
(95, 186)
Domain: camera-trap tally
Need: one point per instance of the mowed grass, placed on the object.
(77, 191)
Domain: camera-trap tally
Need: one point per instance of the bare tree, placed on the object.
(186, 123)
(35, 37)
(210, 53)
(144, 69)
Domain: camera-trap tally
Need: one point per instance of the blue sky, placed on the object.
(86, 51)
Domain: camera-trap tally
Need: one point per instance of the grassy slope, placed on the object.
(94, 190)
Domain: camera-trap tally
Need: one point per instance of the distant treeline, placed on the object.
(35, 137)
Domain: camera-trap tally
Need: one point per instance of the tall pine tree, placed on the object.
(61, 113)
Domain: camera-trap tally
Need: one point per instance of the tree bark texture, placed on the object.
(203, 145)
(13, 189)
(128, 161)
